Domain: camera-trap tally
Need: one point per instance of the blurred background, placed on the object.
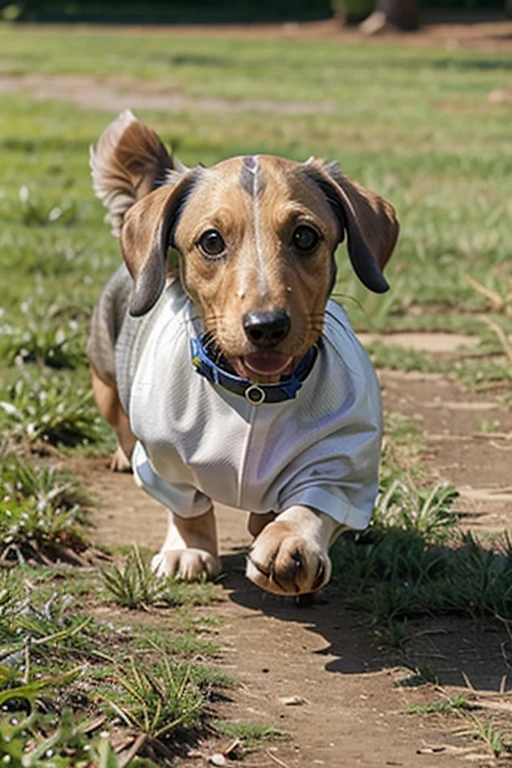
(403, 13)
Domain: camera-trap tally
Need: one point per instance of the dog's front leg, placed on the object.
(190, 548)
(290, 555)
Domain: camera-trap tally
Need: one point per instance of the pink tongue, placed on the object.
(267, 363)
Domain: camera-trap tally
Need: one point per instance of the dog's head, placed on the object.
(256, 238)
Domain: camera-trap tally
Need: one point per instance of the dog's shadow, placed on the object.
(343, 638)
(451, 650)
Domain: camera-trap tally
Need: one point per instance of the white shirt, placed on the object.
(199, 443)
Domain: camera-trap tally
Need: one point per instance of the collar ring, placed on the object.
(255, 395)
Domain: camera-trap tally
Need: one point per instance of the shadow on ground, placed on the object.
(451, 650)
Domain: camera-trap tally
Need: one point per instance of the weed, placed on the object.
(44, 342)
(493, 738)
(409, 507)
(155, 700)
(253, 735)
(147, 688)
(41, 511)
(415, 563)
(134, 585)
(395, 357)
(53, 411)
(63, 745)
(392, 635)
(457, 704)
(487, 427)
(420, 675)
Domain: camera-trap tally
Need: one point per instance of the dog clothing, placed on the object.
(198, 442)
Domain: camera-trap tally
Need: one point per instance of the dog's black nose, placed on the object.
(266, 329)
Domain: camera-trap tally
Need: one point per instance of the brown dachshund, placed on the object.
(217, 356)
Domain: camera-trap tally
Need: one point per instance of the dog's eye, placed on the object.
(305, 238)
(211, 244)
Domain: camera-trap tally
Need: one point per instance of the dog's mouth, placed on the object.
(264, 366)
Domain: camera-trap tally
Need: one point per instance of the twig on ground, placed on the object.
(276, 759)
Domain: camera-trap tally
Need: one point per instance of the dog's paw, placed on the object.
(120, 461)
(283, 561)
(186, 564)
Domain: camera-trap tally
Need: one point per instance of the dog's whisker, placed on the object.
(348, 297)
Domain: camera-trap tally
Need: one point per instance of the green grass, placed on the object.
(414, 560)
(62, 668)
(413, 123)
(133, 585)
(253, 735)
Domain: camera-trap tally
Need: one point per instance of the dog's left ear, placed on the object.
(146, 237)
(369, 221)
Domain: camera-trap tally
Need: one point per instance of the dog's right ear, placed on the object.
(146, 237)
(128, 162)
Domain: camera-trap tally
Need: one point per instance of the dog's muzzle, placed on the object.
(256, 394)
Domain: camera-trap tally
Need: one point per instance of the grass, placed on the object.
(66, 673)
(414, 560)
(443, 707)
(42, 511)
(252, 735)
(413, 123)
(134, 585)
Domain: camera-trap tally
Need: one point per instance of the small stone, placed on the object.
(217, 759)
(292, 701)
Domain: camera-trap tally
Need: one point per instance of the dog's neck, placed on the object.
(256, 394)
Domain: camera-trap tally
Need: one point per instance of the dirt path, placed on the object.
(349, 710)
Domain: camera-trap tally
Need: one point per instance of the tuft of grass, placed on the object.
(253, 735)
(420, 675)
(494, 739)
(44, 741)
(50, 411)
(134, 585)
(394, 574)
(42, 513)
(398, 358)
(155, 700)
(47, 342)
(459, 703)
(414, 561)
(427, 511)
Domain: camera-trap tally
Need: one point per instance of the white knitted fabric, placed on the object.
(199, 443)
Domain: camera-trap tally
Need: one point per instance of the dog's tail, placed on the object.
(128, 162)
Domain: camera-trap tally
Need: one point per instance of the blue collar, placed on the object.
(285, 389)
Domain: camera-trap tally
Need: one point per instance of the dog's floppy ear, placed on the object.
(369, 221)
(146, 237)
(128, 162)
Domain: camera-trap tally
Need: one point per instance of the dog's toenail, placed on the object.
(264, 571)
(319, 578)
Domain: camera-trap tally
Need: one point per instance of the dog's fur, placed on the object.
(261, 299)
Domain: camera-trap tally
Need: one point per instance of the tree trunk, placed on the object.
(399, 14)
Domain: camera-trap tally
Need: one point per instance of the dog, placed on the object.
(227, 372)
